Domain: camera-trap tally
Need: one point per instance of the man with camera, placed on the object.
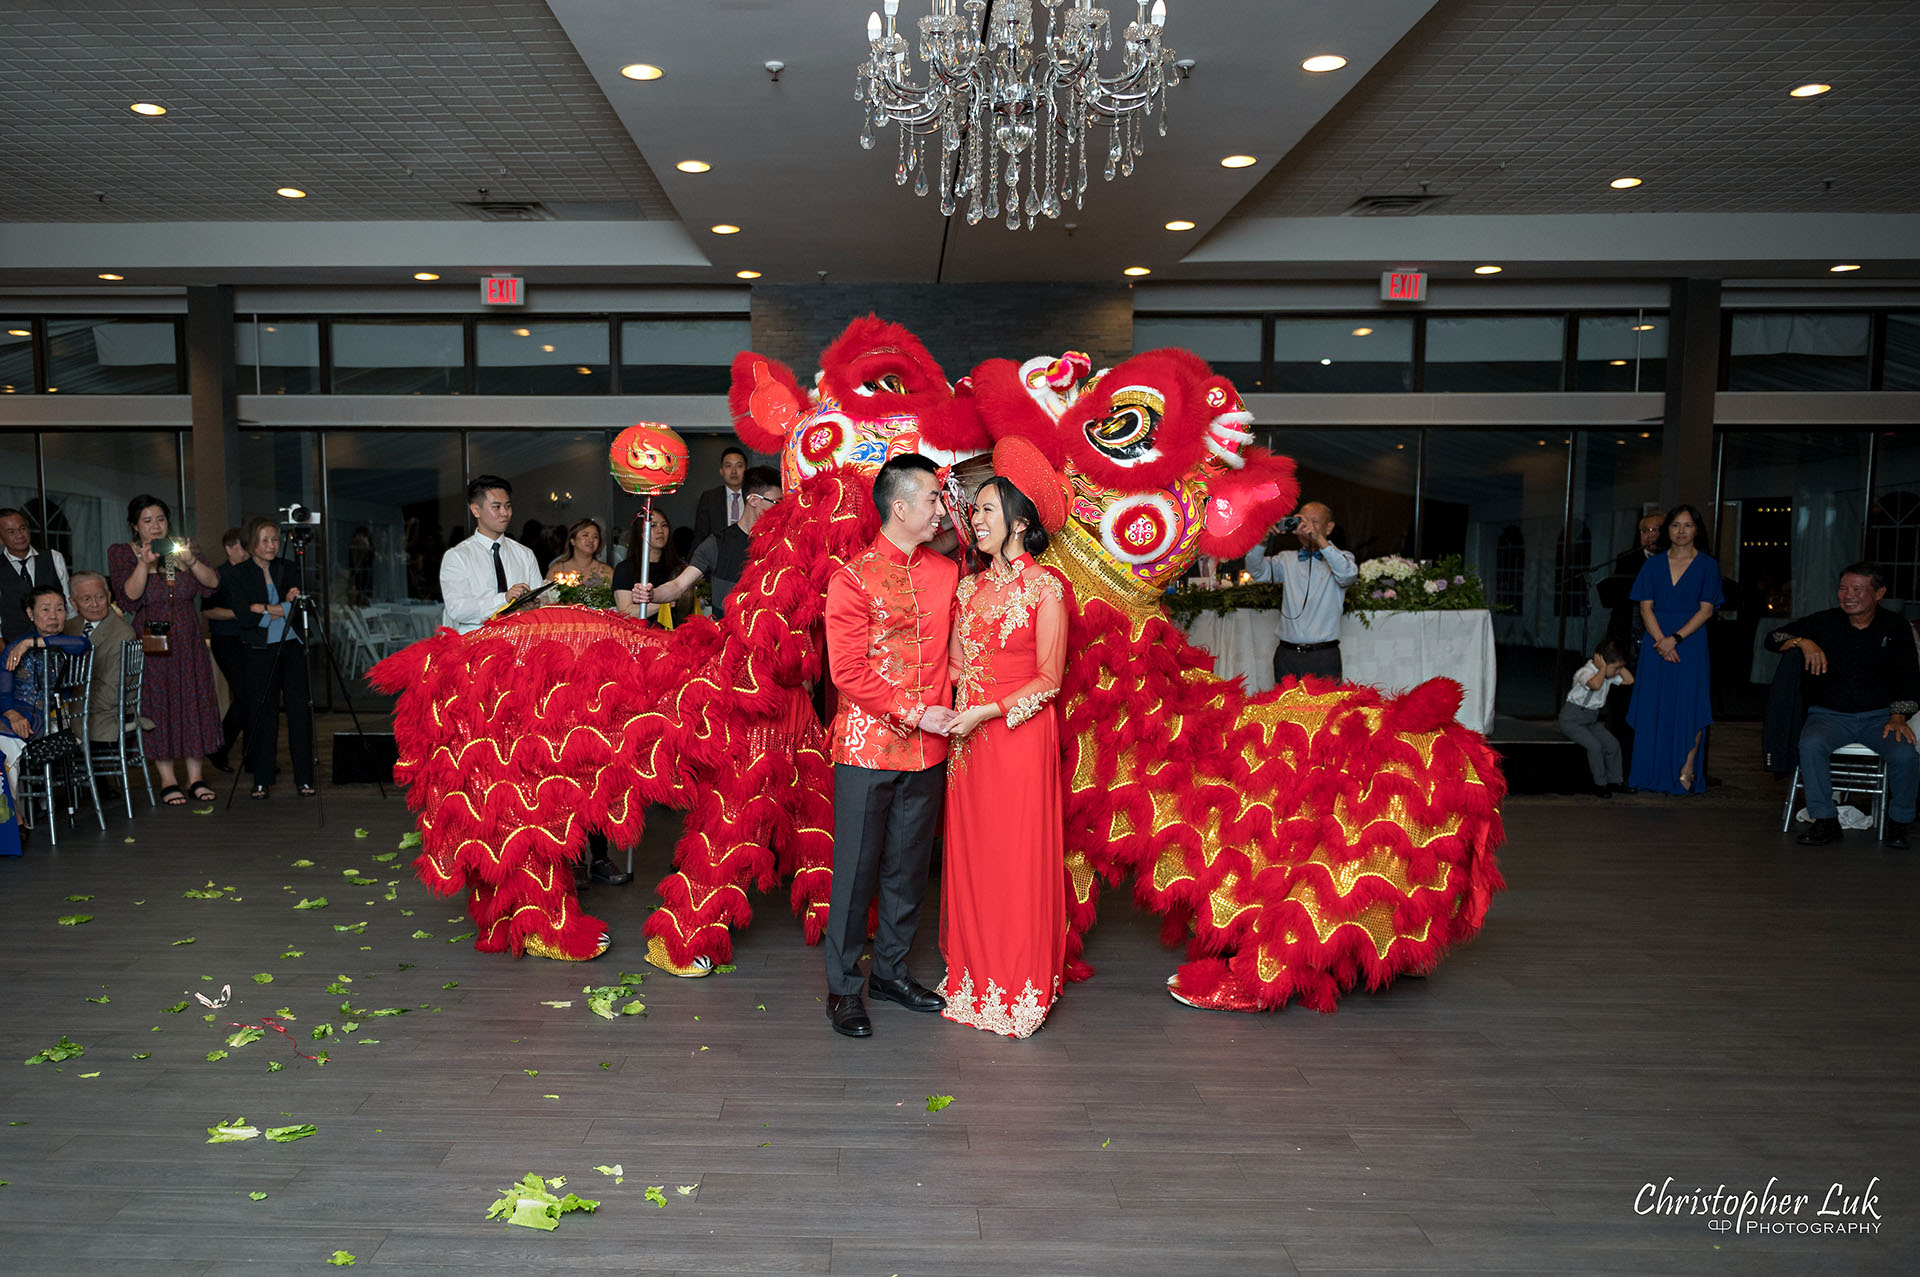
(488, 570)
(1313, 581)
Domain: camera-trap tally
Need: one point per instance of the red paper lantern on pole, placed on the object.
(649, 459)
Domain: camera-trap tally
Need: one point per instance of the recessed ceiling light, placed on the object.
(1486, 270)
(291, 193)
(19, 332)
(1843, 268)
(523, 332)
(113, 277)
(1646, 434)
(1643, 328)
(1624, 183)
(1180, 224)
(425, 276)
(584, 371)
(147, 108)
(1618, 363)
(1137, 271)
(1363, 332)
(548, 349)
(693, 166)
(641, 71)
(1238, 161)
(1325, 362)
(725, 228)
(746, 274)
(1323, 62)
(272, 329)
(1809, 90)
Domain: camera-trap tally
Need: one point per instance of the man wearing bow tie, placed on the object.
(1313, 581)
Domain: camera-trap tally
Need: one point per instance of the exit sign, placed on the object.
(1403, 286)
(503, 290)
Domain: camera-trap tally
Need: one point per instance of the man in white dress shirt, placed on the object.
(24, 568)
(1314, 581)
(488, 570)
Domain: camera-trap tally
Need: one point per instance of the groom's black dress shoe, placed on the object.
(1824, 831)
(908, 992)
(849, 1015)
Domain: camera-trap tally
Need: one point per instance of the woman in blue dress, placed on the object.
(1677, 593)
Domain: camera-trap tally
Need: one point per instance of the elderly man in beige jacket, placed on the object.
(107, 630)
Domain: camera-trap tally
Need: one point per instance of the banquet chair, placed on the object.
(115, 757)
(1856, 770)
(56, 756)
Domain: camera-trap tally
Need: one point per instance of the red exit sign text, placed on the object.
(1403, 286)
(503, 290)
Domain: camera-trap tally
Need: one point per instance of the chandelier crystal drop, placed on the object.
(1000, 108)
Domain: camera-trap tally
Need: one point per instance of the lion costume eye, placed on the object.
(891, 383)
(1126, 433)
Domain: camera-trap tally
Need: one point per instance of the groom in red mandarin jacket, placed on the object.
(888, 618)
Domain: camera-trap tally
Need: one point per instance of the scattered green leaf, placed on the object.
(250, 1034)
(231, 1131)
(1106, 1141)
(208, 892)
(606, 1064)
(64, 1049)
(203, 811)
(143, 1055)
(322, 1031)
(294, 953)
(213, 1056)
(318, 902)
(78, 899)
(336, 988)
(256, 1197)
(175, 1009)
(358, 928)
(557, 1005)
(341, 1259)
(359, 833)
(288, 1134)
(423, 935)
(618, 1172)
(657, 1194)
(285, 1013)
(93, 1074)
(103, 999)
(385, 856)
(531, 1072)
(363, 882)
(74, 919)
(725, 968)
(186, 940)
(937, 1102)
(274, 1066)
(410, 840)
(451, 984)
(464, 935)
(529, 1204)
(303, 864)
(262, 977)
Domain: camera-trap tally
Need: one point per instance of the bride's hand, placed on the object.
(969, 719)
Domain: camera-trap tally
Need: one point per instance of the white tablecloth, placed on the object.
(1404, 649)
(1400, 651)
(1242, 643)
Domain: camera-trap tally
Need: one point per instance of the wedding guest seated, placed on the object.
(583, 555)
(22, 673)
(1862, 685)
(108, 632)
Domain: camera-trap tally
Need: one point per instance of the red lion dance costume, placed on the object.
(1301, 842)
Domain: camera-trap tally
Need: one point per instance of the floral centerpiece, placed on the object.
(1395, 583)
(595, 593)
(1219, 594)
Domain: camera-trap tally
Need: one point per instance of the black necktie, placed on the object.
(86, 631)
(499, 570)
(20, 566)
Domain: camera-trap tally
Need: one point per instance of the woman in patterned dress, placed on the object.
(156, 579)
(1003, 913)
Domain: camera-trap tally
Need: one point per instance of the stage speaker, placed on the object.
(363, 757)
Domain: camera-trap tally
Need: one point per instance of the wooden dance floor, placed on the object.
(1666, 991)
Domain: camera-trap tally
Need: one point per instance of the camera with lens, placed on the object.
(1290, 524)
(297, 515)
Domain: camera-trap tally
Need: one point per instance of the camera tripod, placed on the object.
(306, 630)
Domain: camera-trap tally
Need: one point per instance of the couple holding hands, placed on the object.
(946, 688)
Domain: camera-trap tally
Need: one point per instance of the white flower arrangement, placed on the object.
(1395, 566)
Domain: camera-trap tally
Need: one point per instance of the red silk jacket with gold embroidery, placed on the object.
(889, 616)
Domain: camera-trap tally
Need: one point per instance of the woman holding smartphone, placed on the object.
(158, 581)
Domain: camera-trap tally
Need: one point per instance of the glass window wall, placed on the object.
(1816, 350)
(398, 357)
(1621, 352)
(1366, 477)
(278, 356)
(680, 356)
(398, 500)
(1902, 365)
(113, 357)
(91, 475)
(1337, 356)
(1495, 352)
(16, 357)
(535, 357)
(558, 479)
(1230, 344)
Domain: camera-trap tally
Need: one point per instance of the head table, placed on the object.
(1399, 651)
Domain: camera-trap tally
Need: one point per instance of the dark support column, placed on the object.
(1693, 377)
(211, 381)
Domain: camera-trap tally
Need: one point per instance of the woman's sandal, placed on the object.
(203, 792)
(172, 797)
(259, 791)
(307, 791)
(1686, 780)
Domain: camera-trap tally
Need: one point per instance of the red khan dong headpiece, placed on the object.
(1023, 465)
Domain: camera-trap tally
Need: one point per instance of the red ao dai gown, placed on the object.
(1003, 916)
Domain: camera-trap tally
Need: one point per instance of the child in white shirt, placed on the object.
(1580, 714)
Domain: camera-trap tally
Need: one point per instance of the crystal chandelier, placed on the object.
(996, 92)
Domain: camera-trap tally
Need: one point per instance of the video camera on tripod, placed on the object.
(299, 521)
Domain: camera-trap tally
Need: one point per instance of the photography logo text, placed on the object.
(1836, 1208)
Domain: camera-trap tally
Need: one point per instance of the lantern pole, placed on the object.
(646, 542)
